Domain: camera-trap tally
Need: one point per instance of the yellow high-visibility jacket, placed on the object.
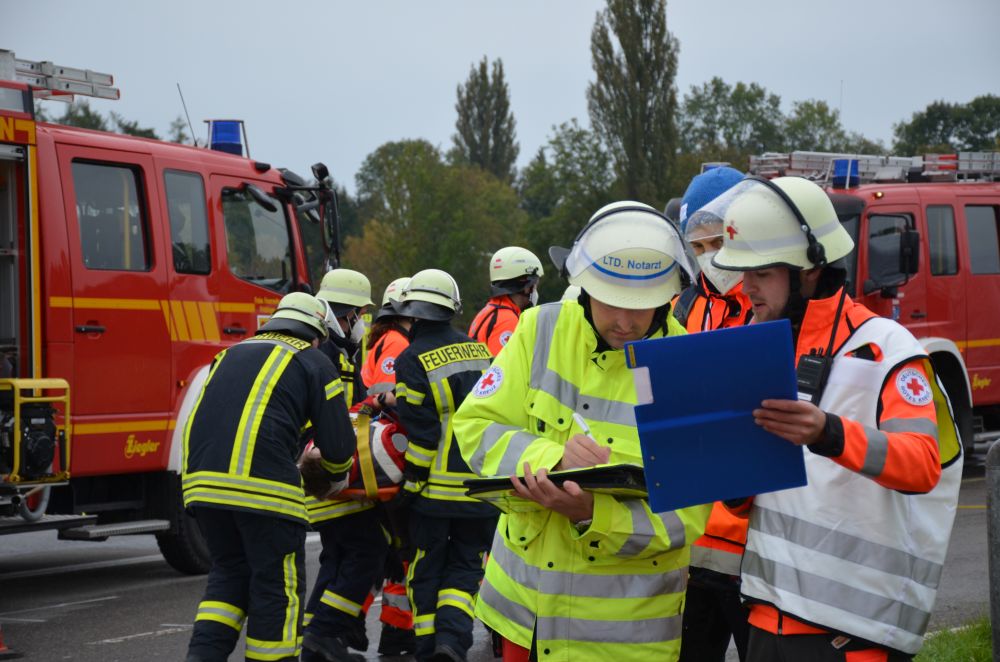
(616, 590)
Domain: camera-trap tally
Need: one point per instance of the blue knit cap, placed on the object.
(706, 187)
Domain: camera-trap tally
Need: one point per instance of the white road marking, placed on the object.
(61, 605)
(140, 635)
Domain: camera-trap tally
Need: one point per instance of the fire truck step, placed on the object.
(105, 531)
(18, 525)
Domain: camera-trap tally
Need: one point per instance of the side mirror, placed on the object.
(320, 172)
(260, 197)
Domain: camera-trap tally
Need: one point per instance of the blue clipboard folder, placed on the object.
(697, 394)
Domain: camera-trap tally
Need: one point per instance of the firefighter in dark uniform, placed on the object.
(355, 544)
(348, 293)
(241, 481)
(450, 532)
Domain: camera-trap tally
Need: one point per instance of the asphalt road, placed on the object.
(118, 601)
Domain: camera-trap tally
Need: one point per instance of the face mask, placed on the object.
(533, 298)
(722, 279)
(357, 330)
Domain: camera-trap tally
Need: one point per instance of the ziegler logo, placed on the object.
(980, 382)
(140, 448)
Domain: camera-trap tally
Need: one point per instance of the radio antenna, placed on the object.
(191, 126)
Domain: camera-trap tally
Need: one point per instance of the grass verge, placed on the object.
(972, 643)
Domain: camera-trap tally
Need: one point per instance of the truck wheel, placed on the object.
(185, 549)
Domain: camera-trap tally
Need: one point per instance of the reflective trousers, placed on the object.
(444, 578)
(258, 568)
(352, 563)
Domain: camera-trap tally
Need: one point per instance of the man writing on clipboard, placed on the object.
(589, 575)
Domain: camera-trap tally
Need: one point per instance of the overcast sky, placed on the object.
(332, 80)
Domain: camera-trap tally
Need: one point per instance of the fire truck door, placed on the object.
(121, 349)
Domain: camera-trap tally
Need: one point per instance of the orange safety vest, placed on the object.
(699, 308)
(380, 364)
(495, 323)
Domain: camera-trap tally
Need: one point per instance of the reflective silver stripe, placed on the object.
(270, 649)
(826, 591)
(272, 341)
(381, 387)
(341, 603)
(675, 529)
(639, 631)
(516, 446)
(418, 453)
(846, 546)
(918, 425)
(395, 600)
(545, 327)
(642, 529)
(464, 365)
(875, 453)
(720, 560)
(555, 582)
(257, 485)
(491, 435)
(442, 389)
(261, 397)
(512, 611)
(291, 581)
(787, 241)
(598, 409)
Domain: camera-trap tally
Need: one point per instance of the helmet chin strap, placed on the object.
(795, 307)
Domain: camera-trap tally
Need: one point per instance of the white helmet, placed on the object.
(431, 294)
(512, 269)
(344, 290)
(786, 222)
(626, 256)
(390, 298)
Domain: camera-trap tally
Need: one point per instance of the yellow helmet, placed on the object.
(344, 290)
(301, 315)
(786, 222)
(431, 294)
(629, 255)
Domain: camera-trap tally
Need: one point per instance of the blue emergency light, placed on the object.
(226, 136)
(845, 173)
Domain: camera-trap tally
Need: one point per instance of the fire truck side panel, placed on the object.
(976, 209)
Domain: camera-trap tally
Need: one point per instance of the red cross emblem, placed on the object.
(915, 387)
(487, 380)
(732, 232)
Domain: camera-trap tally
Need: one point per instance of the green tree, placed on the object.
(485, 129)
(178, 131)
(569, 179)
(131, 127)
(741, 118)
(633, 101)
(79, 113)
(951, 127)
(420, 212)
(814, 127)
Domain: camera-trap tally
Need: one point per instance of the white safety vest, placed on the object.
(843, 552)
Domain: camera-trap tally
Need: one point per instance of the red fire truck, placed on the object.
(126, 264)
(927, 231)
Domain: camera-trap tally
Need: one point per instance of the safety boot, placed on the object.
(445, 653)
(332, 649)
(396, 641)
